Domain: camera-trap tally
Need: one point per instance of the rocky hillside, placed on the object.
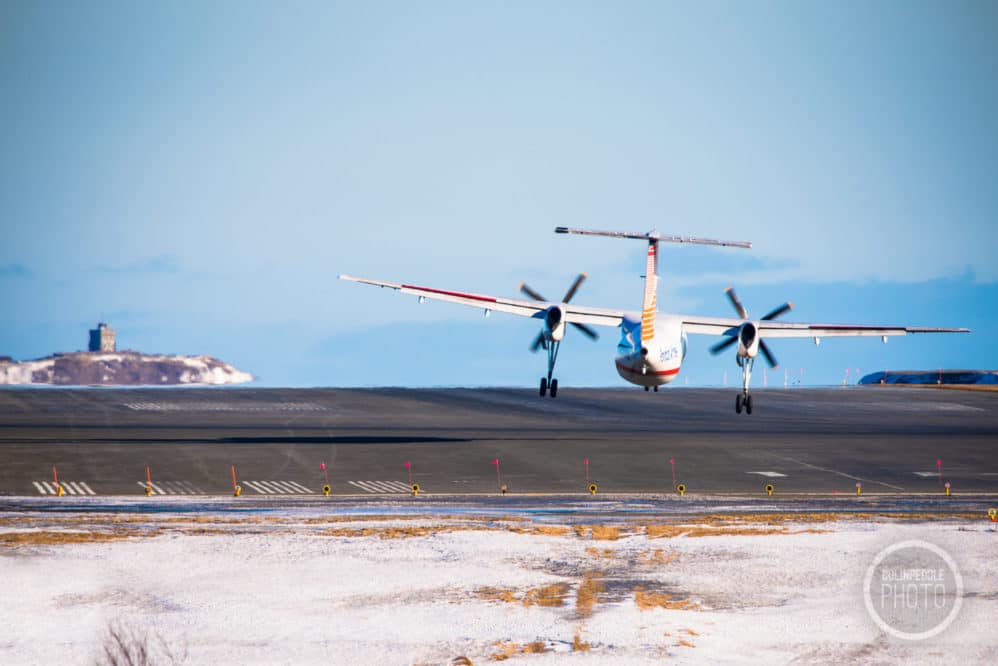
(125, 368)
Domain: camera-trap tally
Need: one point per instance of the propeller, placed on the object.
(553, 314)
(740, 309)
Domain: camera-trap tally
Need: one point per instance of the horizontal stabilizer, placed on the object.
(653, 236)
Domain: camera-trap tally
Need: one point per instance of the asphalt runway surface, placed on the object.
(808, 443)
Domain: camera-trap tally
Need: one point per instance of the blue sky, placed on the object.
(200, 173)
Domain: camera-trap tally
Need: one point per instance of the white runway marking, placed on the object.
(381, 487)
(769, 474)
(277, 487)
(173, 488)
(926, 474)
(70, 487)
(848, 476)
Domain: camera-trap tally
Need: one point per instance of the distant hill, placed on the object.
(125, 368)
(923, 377)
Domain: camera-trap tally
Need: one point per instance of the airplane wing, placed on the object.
(573, 313)
(775, 329)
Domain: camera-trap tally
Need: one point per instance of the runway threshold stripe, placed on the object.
(300, 487)
(41, 489)
(67, 485)
(259, 489)
(288, 487)
(275, 486)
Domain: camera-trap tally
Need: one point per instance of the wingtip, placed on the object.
(790, 304)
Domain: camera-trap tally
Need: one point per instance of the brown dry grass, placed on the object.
(693, 531)
(507, 649)
(548, 596)
(495, 594)
(685, 643)
(657, 556)
(578, 645)
(393, 532)
(58, 538)
(648, 600)
(588, 593)
(598, 532)
(601, 553)
(542, 530)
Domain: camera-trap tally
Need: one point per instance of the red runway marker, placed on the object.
(939, 469)
(586, 463)
(408, 466)
(325, 474)
(672, 461)
(148, 475)
(55, 477)
(498, 477)
(234, 484)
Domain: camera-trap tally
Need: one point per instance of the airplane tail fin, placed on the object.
(649, 308)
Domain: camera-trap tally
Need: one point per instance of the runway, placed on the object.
(806, 442)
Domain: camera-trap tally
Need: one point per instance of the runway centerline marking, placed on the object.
(848, 476)
(769, 474)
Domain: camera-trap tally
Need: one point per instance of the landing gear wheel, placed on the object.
(554, 388)
(738, 404)
(748, 404)
(656, 389)
(646, 389)
(544, 386)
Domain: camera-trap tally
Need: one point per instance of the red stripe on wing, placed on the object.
(475, 297)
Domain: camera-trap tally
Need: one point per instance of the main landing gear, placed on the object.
(654, 387)
(743, 399)
(548, 383)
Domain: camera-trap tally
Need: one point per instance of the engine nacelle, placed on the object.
(748, 340)
(554, 323)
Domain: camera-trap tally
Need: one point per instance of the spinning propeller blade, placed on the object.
(530, 292)
(737, 304)
(723, 344)
(575, 286)
(590, 333)
(778, 311)
(769, 355)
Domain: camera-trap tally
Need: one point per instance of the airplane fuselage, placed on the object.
(653, 361)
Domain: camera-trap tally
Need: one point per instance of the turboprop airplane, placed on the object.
(652, 344)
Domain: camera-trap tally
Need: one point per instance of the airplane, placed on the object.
(652, 344)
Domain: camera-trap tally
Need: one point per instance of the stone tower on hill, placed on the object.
(101, 338)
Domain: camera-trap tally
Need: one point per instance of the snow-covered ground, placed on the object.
(291, 588)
